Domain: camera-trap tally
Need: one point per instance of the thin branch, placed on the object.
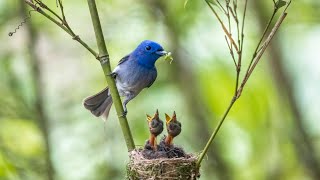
(240, 53)
(62, 11)
(228, 16)
(275, 7)
(105, 64)
(231, 52)
(235, 15)
(225, 12)
(64, 20)
(70, 32)
(41, 4)
(216, 130)
(260, 53)
(248, 74)
(242, 26)
(223, 26)
(262, 37)
(229, 22)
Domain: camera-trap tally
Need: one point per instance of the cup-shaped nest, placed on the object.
(140, 168)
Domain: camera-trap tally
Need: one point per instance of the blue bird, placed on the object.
(134, 72)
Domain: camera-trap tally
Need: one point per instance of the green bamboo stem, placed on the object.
(105, 64)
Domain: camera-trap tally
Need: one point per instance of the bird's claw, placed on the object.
(124, 114)
(113, 75)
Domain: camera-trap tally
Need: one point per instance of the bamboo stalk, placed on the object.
(105, 64)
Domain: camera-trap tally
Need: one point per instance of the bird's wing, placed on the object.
(153, 77)
(115, 71)
(124, 59)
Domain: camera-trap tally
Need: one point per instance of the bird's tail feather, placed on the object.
(107, 110)
(99, 104)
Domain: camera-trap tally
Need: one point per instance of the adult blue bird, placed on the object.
(134, 72)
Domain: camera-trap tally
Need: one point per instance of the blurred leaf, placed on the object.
(21, 150)
(11, 131)
(185, 3)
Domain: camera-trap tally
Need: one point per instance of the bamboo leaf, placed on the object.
(280, 3)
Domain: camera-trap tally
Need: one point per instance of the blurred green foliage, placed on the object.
(254, 143)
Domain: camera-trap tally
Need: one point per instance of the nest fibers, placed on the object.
(140, 168)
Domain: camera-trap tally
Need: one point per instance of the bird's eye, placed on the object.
(148, 48)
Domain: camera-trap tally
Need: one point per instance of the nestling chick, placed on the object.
(173, 128)
(155, 127)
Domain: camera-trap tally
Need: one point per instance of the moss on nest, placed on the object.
(140, 168)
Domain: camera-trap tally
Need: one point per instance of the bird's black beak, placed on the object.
(161, 52)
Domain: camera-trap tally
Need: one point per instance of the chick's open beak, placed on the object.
(161, 52)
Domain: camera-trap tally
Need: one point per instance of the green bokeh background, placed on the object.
(262, 138)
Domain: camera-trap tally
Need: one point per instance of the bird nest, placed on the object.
(142, 168)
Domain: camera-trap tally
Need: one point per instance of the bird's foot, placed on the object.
(113, 75)
(124, 114)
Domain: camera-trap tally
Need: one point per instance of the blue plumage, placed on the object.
(134, 72)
